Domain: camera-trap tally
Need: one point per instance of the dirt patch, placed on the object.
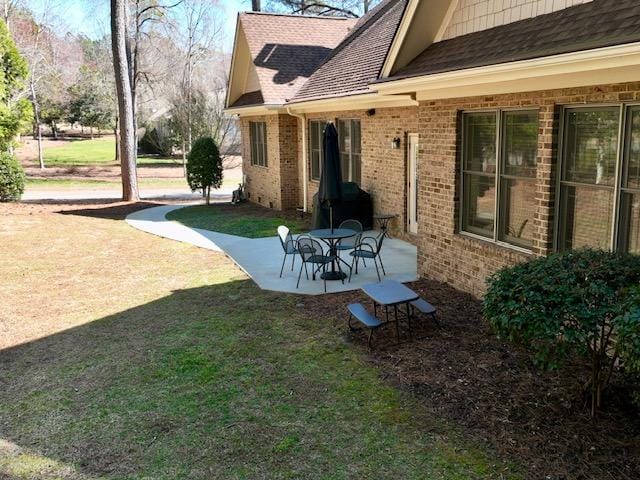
(492, 392)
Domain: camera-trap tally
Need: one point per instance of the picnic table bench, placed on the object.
(388, 294)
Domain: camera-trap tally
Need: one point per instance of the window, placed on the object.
(499, 154)
(350, 155)
(600, 179)
(316, 136)
(258, 138)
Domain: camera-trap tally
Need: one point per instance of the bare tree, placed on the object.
(53, 60)
(123, 82)
(347, 8)
(9, 9)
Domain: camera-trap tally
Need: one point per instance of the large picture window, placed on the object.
(258, 140)
(599, 180)
(316, 135)
(499, 155)
(349, 138)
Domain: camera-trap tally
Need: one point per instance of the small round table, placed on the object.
(384, 219)
(331, 237)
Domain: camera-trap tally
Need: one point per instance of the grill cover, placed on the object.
(356, 204)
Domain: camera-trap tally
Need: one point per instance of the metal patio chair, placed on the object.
(368, 248)
(289, 246)
(311, 252)
(348, 244)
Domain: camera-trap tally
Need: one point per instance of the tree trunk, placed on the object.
(255, 5)
(125, 101)
(36, 116)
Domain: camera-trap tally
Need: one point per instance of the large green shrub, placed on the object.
(204, 166)
(12, 178)
(567, 304)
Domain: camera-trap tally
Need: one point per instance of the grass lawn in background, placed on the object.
(93, 152)
(156, 359)
(245, 220)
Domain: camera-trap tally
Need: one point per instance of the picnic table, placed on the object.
(390, 293)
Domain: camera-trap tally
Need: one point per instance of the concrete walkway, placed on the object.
(261, 258)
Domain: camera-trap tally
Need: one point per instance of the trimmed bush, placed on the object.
(204, 167)
(12, 178)
(570, 304)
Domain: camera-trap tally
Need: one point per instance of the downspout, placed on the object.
(303, 117)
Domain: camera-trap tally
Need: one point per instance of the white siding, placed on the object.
(475, 15)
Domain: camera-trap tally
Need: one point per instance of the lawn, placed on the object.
(129, 356)
(244, 220)
(93, 152)
(91, 183)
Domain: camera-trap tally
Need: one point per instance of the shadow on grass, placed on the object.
(223, 381)
(114, 210)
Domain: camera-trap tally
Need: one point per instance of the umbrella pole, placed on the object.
(331, 217)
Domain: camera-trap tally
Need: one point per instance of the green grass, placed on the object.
(93, 183)
(80, 183)
(220, 219)
(96, 152)
(157, 360)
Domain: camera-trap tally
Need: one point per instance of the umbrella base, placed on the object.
(333, 276)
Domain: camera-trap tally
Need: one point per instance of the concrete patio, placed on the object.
(261, 258)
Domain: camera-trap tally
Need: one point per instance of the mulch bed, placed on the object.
(490, 391)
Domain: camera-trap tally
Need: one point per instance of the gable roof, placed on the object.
(285, 50)
(597, 24)
(357, 60)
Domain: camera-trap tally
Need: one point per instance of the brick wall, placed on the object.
(445, 254)
(276, 185)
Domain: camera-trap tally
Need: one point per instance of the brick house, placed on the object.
(495, 129)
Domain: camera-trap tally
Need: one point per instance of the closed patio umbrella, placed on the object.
(330, 190)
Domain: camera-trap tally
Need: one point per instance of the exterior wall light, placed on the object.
(395, 143)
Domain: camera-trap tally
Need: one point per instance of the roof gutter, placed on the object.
(305, 186)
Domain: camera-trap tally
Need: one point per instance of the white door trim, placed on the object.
(412, 179)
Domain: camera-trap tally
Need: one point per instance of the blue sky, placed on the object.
(91, 17)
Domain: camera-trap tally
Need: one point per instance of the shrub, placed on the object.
(12, 178)
(567, 304)
(156, 141)
(204, 166)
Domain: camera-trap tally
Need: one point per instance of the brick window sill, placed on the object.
(498, 245)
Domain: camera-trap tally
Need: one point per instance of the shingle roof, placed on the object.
(596, 24)
(359, 58)
(287, 49)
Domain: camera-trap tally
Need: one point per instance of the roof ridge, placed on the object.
(313, 17)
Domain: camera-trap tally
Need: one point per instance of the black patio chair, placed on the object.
(311, 252)
(368, 248)
(288, 246)
(348, 244)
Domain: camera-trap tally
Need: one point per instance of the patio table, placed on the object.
(390, 293)
(331, 237)
(384, 219)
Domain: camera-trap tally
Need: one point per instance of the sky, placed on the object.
(91, 17)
